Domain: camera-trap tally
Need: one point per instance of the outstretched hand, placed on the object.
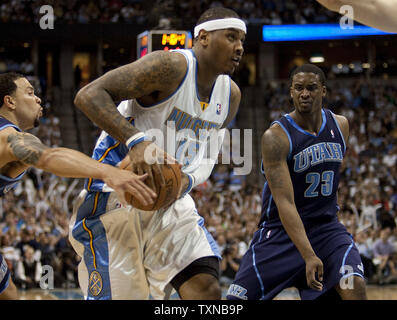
(122, 181)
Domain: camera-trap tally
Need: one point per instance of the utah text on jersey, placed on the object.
(316, 154)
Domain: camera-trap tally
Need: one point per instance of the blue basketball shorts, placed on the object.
(272, 263)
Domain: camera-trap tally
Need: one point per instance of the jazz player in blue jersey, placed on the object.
(300, 242)
(20, 110)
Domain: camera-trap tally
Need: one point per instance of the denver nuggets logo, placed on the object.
(95, 283)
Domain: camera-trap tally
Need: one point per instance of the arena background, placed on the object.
(90, 37)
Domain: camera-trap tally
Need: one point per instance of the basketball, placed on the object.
(166, 193)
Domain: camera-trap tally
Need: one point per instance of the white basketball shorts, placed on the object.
(132, 254)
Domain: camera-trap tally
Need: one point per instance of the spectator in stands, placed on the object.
(28, 270)
(230, 263)
(27, 240)
(366, 253)
(383, 256)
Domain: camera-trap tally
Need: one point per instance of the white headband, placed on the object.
(220, 24)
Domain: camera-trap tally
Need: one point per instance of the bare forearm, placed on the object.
(99, 107)
(275, 149)
(296, 231)
(28, 149)
(70, 164)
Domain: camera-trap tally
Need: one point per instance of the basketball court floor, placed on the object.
(388, 292)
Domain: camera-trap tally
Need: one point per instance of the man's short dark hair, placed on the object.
(309, 68)
(7, 84)
(217, 13)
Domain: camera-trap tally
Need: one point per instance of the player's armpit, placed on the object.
(25, 147)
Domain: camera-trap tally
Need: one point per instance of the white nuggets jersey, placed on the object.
(181, 124)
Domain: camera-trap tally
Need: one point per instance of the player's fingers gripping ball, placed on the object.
(166, 192)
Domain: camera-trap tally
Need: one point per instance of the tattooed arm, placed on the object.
(27, 149)
(275, 149)
(151, 78)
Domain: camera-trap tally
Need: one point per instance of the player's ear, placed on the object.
(324, 91)
(203, 37)
(9, 102)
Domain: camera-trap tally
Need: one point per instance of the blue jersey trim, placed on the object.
(340, 131)
(352, 274)
(297, 127)
(172, 94)
(288, 135)
(343, 264)
(195, 76)
(256, 268)
(268, 207)
(345, 256)
(230, 98)
(10, 125)
(211, 241)
(90, 232)
(13, 179)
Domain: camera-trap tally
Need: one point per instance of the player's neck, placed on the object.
(9, 116)
(206, 74)
(310, 122)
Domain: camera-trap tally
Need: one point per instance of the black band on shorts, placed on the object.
(208, 265)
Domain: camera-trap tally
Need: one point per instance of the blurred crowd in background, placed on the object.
(173, 13)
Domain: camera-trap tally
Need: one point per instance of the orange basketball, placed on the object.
(166, 193)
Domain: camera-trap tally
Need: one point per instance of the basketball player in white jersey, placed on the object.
(379, 14)
(20, 110)
(132, 254)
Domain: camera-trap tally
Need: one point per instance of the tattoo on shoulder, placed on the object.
(163, 69)
(274, 148)
(136, 79)
(273, 153)
(26, 147)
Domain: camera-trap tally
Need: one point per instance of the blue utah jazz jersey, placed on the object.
(7, 183)
(314, 163)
